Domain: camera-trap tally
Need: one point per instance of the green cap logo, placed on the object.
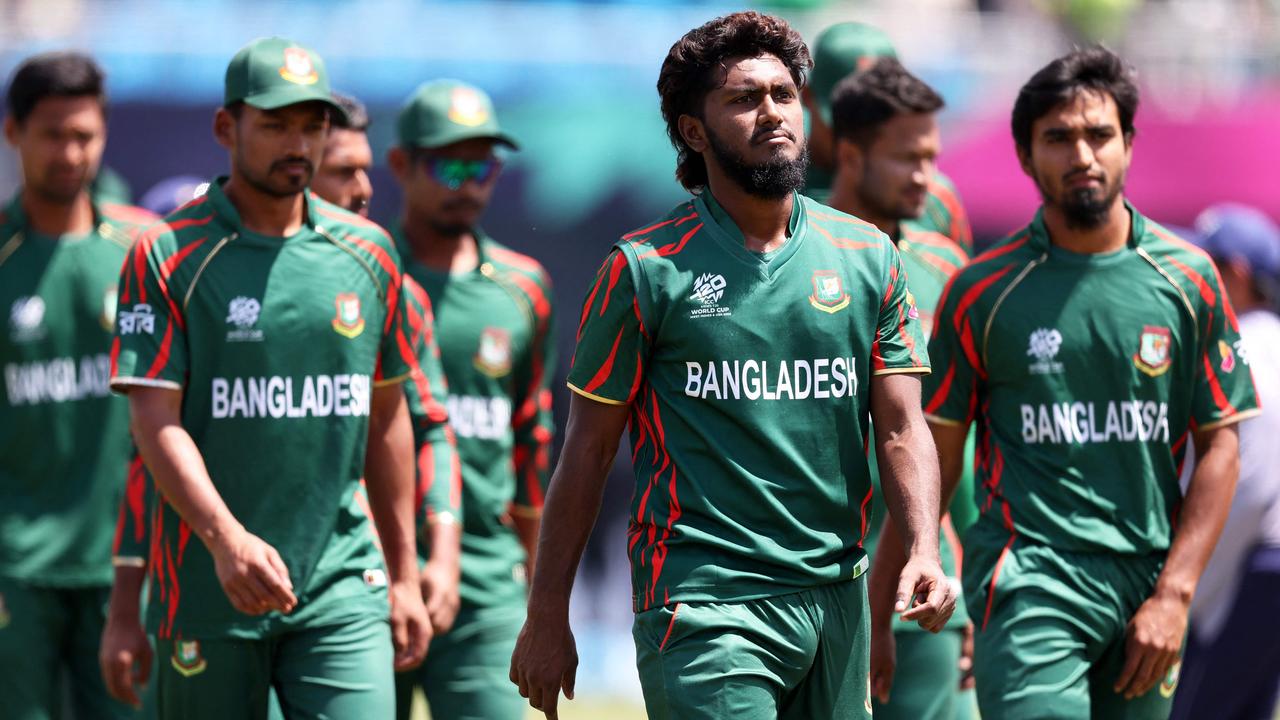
(298, 68)
(272, 73)
(448, 111)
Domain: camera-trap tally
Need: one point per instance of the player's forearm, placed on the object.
(389, 476)
(126, 592)
(176, 465)
(445, 538)
(1204, 511)
(886, 567)
(528, 522)
(911, 483)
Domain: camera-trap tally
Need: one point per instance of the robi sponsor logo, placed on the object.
(286, 397)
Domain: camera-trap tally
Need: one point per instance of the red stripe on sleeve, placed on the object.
(1219, 397)
(940, 395)
(602, 374)
(972, 294)
(162, 357)
(615, 273)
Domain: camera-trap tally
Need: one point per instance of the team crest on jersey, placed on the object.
(26, 319)
(187, 659)
(1228, 357)
(242, 315)
(1153, 356)
(493, 358)
(297, 67)
(1170, 682)
(708, 289)
(467, 108)
(1043, 345)
(347, 321)
(828, 292)
(108, 316)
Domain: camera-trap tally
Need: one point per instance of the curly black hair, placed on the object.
(695, 66)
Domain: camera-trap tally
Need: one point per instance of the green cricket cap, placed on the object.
(443, 112)
(273, 72)
(840, 50)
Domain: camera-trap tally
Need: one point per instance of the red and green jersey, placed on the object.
(943, 212)
(929, 260)
(1085, 375)
(495, 327)
(277, 344)
(439, 480)
(64, 441)
(749, 443)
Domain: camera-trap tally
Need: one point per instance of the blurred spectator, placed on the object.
(1232, 661)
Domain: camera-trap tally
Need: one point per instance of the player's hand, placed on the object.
(252, 574)
(545, 662)
(1152, 645)
(410, 626)
(966, 659)
(125, 658)
(925, 594)
(440, 594)
(884, 660)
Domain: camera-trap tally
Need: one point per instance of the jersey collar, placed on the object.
(406, 251)
(16, 217)
(720, 226)
(1038, 234)
(222, 206)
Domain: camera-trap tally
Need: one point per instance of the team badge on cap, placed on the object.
(1152, 357)
(187, 659)
(828, 292)
(297, 67)
(494, 356)
(347, 322)
(466, 107)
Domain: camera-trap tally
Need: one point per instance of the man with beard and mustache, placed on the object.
(496, 329)
(65, 440)
(343, 175)
(262, 340)
(747, 338)
(1090, 348)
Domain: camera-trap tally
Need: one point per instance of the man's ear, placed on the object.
(224, 128)
(11, 130)
(398, 161)
(694, 133)
(1024, 160)
(850, 158)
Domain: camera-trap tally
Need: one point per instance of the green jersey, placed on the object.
(1085, 375)
(749, 445)
(64, 441)
(929, 260)
(495, 327)
(277, 344)
(943, 212)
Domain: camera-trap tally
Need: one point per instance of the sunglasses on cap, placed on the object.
(454, 172)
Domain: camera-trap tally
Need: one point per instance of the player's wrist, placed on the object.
(1176, 590)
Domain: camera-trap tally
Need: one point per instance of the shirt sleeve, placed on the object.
(132, 537)
(899, 346)
(950, 392)
(150, 345)
(397, 357)
(1224, 391)
(532, 423)
(612, 342)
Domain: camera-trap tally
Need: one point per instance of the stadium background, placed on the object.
(574, 81)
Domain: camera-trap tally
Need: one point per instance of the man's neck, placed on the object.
(263, 213)
(454, 254)
(1110, 235)
(52, 218)
(762, 221)
(846, 200)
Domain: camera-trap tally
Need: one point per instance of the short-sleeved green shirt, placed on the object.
(943, 212)
(1085, 375)
(747, 377)
(277, 344)
(496, 329)
(64, 441)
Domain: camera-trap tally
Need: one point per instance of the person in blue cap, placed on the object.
(1231, 668)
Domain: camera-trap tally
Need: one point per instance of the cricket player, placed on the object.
(842, 49)
(1231, 669)
(341, 179)
(65, 440)
(887, 144)
(747, 338)
(1090, 348)
(261, 340)
(496, 329)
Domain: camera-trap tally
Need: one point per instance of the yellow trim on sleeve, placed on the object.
(128, 561)
(592, 396)
(1231, 419)
(121, 384)
(937, 420)
(903, 371)
(526, 511)
(392, 380)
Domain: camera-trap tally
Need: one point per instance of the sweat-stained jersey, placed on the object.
(439, 479)
(277, 344)
(64, 441)
(747, 377)
(495, 327)
(1085, 375)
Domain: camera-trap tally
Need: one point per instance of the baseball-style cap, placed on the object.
(273, 72)
(1234, 232)
(840, 50)
(443, 112)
